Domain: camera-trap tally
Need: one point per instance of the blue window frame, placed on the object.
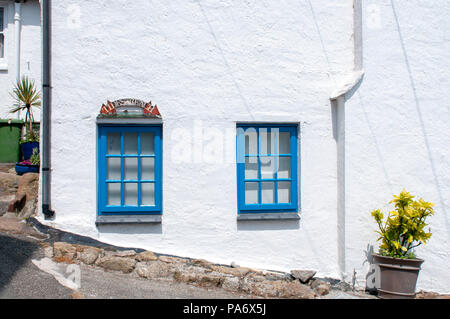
(130, 169)
(267, 162)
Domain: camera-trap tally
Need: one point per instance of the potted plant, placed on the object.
(29, 166)
(26, 99)
(29, 144)
(400, 234)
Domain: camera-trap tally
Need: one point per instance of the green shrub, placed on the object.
(35, 159)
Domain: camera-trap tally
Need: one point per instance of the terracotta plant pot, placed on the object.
(398, 276)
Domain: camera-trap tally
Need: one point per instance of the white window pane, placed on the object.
(284, 142)
(251, 142)
(130, 143)
(147, 168)
(267, 167)
(113, 168)
(267, 145)
(131, 168)
(113, 143)
(148, 194)
(251, 193)
(113, 194)
(148, 143)
(284, 192)
(131, 194)
(284, 167)
(267, 192)
(251, 168)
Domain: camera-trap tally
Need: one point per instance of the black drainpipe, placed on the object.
(46, 109)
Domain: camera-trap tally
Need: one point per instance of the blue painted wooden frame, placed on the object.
(103, 208)
(244, 208)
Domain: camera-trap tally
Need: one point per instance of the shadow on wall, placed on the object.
(130, 229)
(420, 117)
(30, 14)
(267, 225)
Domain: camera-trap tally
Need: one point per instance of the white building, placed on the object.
(20, 49)
(356, 94)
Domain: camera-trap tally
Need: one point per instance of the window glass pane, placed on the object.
(267, 145)
(113, 168)
(130, 168)
(251, 167)
(267, 192)
(251, 141)
(284, 167)
(2, 41)
(251, 193)
(148, 194)
(113, 143)
(148, 143)
(267, 167)
(1, 19)
(113, 194)
(131, 194)
(284, 142)
(284, 192)
(147, 168)
(130, 143)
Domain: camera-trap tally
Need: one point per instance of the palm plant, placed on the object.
(26, 98)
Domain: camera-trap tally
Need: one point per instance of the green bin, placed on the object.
(10, 131)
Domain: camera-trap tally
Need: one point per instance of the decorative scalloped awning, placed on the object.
(129, 108)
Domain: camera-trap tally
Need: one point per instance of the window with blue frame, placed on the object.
(267, 162)
(130, 170)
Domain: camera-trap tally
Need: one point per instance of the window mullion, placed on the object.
(139, 203)
(258, 137)
(275, 137)
(122, 172)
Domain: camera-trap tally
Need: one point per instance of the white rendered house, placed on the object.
(279, 127)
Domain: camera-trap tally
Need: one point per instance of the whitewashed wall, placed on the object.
(210, 63)
(30, 63)
(398, 131)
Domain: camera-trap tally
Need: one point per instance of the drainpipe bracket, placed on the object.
(347, 84)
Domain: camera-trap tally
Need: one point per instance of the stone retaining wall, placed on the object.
(192, 271)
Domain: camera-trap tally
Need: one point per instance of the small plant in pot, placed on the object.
(26, 99)
(30, 165)
(400, 234)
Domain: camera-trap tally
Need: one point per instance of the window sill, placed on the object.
(268, 216)
(128, 219)
(3, 66)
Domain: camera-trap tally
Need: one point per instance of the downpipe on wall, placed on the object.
(46, 110)
(338, 98)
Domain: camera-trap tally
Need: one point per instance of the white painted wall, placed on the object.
(398, 131)
(213, 64)
(30, 53)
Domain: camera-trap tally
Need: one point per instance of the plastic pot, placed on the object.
(27, 149)
(23, 169)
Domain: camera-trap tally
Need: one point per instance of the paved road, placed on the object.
(21, 278)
